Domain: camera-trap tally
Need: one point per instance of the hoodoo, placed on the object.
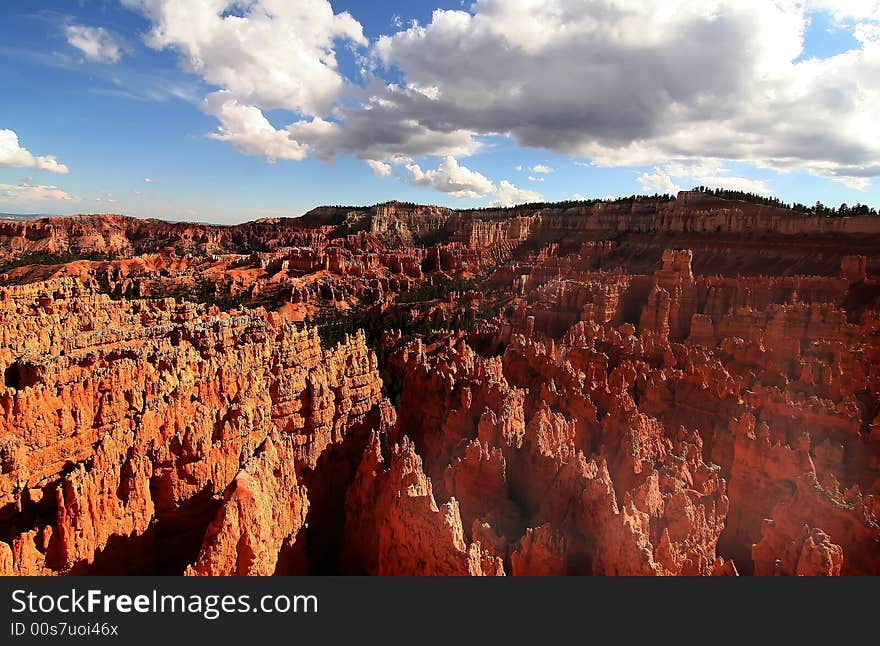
(646, 386)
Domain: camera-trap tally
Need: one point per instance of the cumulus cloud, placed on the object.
(737, 184)
(381, 169)
(26, 193)
(375, 133)
(506, 194)
(541, 168)
(532, 178)
(616, 83)
(709, 172)
(658, 182)
(96, 43)
(246, 128)
(453, 178)
(612, 83)
(263, 55)
(13, 154)
(461, 182)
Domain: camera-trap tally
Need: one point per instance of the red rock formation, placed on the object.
(541, 552)
(394, 526)
(262, 509)
(123, 417)
(810, 554)
(525, 397)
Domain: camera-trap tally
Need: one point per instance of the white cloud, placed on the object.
(855, 183)
(519, 168)
(149, 180)
(507, 194)
(532, 178)
(381, 169)
(611, 82)
(270, 54)
(26, 193)
(736, 184)
(842, 10)
(246, 128)
(96, 43)
(462, 182)
(708, 172)
(372, 132)
(12, 154)
(450, 177)
(549, 74)
(106, 197)
(578, 196)
(541, 168)
(263, 54)
(658, 182)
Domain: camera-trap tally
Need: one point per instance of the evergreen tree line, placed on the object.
(567, 204)
(818, 209)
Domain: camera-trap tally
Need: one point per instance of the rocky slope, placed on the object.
(649, 388)
(150, 434)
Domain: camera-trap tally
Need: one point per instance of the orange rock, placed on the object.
(395, 527)
(810, 554)
(566, 393)
(140, 421)
(541, 552)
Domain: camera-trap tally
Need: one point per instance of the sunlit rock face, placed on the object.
(647, 387)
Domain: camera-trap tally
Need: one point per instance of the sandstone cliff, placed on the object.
(648, 387)
(145, 435)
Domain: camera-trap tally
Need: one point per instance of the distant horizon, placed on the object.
(38, 216)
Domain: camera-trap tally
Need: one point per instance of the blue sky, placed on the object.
(89, 86)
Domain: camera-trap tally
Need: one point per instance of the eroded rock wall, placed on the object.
(652, 387)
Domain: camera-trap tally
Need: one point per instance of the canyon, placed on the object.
(645, 386)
